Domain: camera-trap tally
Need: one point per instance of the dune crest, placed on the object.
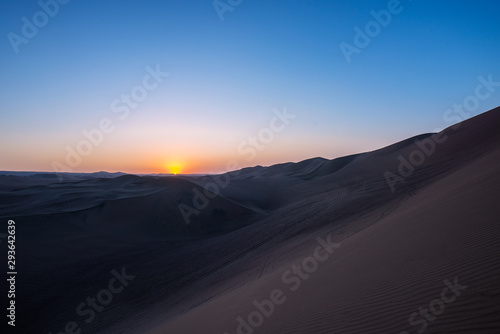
(408, 221)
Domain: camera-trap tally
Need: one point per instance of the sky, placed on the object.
(209, 86)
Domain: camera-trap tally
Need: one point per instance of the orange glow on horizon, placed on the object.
(174, 168)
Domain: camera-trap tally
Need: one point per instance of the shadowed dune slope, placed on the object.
(407, 217)
(441, 224)
(380, 276)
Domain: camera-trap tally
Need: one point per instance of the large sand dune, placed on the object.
(416, 244)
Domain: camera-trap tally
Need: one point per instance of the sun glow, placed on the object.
(174, 168)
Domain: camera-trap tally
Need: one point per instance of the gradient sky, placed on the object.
(226, 78)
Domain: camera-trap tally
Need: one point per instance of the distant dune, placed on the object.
(413, 229)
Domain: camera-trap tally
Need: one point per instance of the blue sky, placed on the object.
(226, 78)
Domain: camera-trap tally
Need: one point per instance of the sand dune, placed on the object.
(433, 224)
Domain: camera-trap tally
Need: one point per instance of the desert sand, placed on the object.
(321, 246)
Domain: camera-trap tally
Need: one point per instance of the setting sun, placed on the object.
(174, 169)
